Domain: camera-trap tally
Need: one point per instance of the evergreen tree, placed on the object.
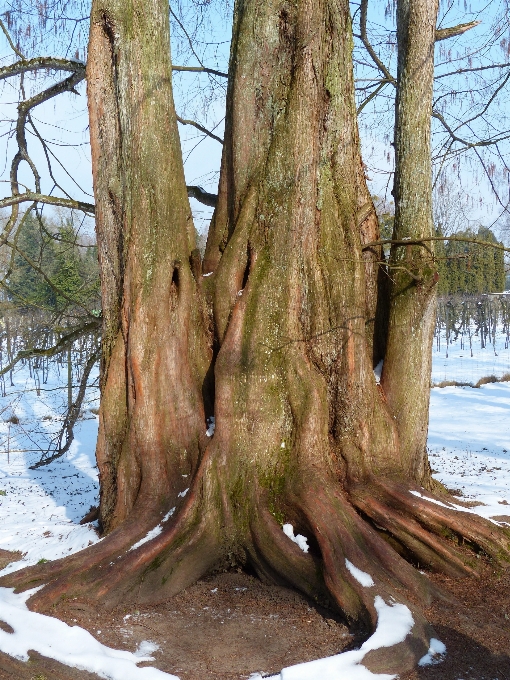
(472, 268)
(50, 269)
(27, 286)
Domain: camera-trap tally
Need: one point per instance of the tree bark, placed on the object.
(407, 366)
(155, 348)
(303, 434)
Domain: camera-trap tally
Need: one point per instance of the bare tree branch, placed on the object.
(70, 419)
(31, 196)
(421, 242)
(182, 121)
(200, 69)
(372, 95)
(202, 196)
(473, 69)
(9, 40)
(24, 66)
(60, 346)
(368, 46)
(445, 33)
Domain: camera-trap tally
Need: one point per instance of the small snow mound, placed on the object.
(378, 371)
(361, 576)
(70, 645)
(145, 649)
(436, 653)
(300, 540)
(395, 622)
(211, 426)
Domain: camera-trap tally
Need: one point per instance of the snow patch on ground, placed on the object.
(436, 653)
(454, 361)
(300, 540)
(394, 623)
(70, 645)
(41, 509)
(469, 445)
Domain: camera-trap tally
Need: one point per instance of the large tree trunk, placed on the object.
(303, 432)
(155, 349)
(408, 361)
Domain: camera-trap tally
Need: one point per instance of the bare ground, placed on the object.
(231, 625)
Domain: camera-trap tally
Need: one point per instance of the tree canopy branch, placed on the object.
(32, 197)
(24, 66)
(200, 69)
(421, 242)
(364, 38)
(58, 347)
(183, 121)
(202, 196)
(445, 33)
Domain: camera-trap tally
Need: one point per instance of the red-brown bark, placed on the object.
(303, 432)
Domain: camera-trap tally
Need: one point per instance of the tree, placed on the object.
(469, 267)
(299, 315)
(50, 269)
(27, 287)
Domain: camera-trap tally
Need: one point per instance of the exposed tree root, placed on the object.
(426, 528)
(195, 541)
(113, 571)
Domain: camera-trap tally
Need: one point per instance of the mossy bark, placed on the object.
(155, 348)
(407, 364)
(303, 432)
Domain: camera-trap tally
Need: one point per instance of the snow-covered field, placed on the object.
(40, 509)
(469, 444)
(453, 361)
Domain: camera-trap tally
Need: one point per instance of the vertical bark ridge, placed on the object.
(407, 366)
(154, 330)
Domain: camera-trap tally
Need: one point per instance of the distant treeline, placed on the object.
(51, 267)
(469, 267)
(463, 267)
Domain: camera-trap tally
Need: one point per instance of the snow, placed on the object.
(436, 653)
(70, 645)
(41, 509)
(153, 532)
(453, 361)
(378, 372)
(469, 445)
(300, 540)
(394, 622)
(361, 576)
(211, 426)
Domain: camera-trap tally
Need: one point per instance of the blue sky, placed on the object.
(63, 121)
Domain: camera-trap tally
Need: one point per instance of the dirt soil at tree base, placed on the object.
(230, 625)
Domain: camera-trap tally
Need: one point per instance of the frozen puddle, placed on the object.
(70, 645)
